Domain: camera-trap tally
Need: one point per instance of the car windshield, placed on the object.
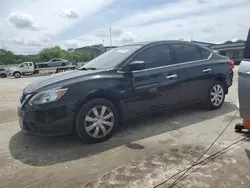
(111, 58)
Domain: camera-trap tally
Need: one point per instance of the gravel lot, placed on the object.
(143, 153)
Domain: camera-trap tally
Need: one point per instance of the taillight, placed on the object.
(231, 64)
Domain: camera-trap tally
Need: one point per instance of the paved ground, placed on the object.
(143, 153)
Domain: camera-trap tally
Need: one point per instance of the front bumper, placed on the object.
(46, 119)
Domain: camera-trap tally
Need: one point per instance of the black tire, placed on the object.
(239, 130)
(17, 74)
(81, 123)
(208, 102)
(3, 75)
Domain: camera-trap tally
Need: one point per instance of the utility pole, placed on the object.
(110, 36)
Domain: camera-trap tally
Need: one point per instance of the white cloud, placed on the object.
(31, 42)
(126, 37)
(34, 15)
(176, 9)
(210, 26)
(211, 21)
(81, 41)
(74, 43)
(23, 21)
(119, 36)
(105, 32)
(69, 13)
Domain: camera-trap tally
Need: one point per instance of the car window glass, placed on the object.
(204, 53)
(112, 57)
(185, 53)
(30, 64)
(156, 56)
(24, 65)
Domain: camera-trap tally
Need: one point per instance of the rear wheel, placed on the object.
(96, 121)
(17, 74)
(216, 96)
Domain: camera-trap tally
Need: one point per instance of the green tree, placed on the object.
(46, 54)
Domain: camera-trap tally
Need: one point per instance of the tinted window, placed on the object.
(156, 56)
(30, 64)
(205, 53)
(185, 53)
(1, 69)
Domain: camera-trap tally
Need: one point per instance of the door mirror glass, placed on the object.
(136, 65)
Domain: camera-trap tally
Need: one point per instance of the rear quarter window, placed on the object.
(205, 53)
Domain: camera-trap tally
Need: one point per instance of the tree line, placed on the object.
(46, 54)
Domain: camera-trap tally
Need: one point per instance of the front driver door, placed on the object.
(156, 86)
(24, 67)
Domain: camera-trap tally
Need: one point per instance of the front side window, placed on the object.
(156, 56)
(30, 64)
(185, 53)
(24, 65)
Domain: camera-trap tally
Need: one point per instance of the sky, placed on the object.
(27, 26)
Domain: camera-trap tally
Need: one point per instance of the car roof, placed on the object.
(145, 43)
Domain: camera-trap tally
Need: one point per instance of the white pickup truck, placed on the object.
(28, 68)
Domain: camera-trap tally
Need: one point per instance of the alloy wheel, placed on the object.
(217, 95)
(99, 121)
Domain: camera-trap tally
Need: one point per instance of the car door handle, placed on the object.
(171, 76)
(206, 70)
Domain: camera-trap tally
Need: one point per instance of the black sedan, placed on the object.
(122, 83)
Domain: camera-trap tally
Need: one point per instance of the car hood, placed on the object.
(12, 69)
(59, 80)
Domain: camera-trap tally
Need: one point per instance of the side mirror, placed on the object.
(136, 65)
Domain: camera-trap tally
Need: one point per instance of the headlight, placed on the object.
(47, 96)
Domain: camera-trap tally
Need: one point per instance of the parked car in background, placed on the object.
(123, 83)
(56, 62)
(29, 68)
(3, 73)
(23, 68)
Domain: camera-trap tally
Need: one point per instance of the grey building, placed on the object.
(234, 50)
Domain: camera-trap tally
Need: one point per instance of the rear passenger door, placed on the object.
(195, 70)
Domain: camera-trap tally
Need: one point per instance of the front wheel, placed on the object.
(3, 75)
(216, 96)
(96, 121)
(17, 74)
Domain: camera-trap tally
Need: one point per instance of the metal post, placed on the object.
(110, 37)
